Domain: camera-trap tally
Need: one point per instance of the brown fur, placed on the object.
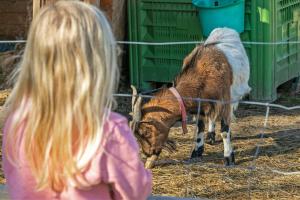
(205, 74)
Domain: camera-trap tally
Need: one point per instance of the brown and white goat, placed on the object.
(207, 73)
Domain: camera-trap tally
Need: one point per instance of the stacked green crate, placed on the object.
(272, 65)
(160, 21)
(176, 20)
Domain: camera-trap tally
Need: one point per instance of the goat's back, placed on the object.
(228, 41)
(206, 74)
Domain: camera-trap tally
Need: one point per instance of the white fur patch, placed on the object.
(211, 126)
(227, 143)
(228, 41)
(201, 137)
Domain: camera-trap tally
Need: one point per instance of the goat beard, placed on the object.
(169, 146)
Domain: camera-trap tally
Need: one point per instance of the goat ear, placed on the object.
(187, 60)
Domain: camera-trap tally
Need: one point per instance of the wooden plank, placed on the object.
(13, 18)
(12, 32)
(13, 7)
(114, 9)
(119, 18)
(107, 7)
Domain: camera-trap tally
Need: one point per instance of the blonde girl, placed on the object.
(61, 139)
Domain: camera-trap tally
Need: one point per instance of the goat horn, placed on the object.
(150, 162)
(136, 105)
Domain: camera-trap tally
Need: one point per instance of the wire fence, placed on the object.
(173, 43)
(186, 162)
(251, 168)
(268, 106)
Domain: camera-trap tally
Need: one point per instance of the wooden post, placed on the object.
(36, 5)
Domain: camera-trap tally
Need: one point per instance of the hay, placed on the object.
(272, 177)
(280, 150)
(3, 96)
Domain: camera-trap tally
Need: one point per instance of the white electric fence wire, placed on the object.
(217, 101)
(174, 43)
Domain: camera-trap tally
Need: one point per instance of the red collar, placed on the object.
(182, 109)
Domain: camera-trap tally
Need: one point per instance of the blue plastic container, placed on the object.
(221, 13)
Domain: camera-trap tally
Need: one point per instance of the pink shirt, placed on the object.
(117, 170)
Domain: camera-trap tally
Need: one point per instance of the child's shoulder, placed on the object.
(117, 127)
(116, 121)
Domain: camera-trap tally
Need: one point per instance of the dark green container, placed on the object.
(177, 20)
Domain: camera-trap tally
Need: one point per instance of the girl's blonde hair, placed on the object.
(63, 93)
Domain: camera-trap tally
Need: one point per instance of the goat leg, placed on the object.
(228, 150)
(211, 135)
(199, 144)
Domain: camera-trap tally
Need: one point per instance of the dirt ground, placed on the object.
(275, 174)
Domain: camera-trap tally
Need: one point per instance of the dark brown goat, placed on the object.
(203, 76)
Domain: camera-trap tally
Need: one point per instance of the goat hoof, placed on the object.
(229, 161)
(211, 138)
(197, 153)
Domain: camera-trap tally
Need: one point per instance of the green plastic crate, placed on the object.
(177, 20)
